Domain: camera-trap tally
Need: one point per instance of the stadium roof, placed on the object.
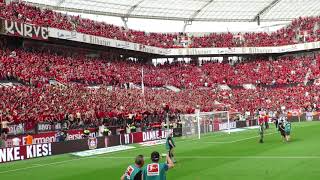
(190, 10)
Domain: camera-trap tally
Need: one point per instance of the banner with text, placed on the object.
(16, 129)
(50, 137)
(25, 152)
(102, 41)
(45, 127)
(97, 40)
(25, 30)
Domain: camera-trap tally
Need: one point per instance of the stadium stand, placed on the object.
(303, 29)
(37, 68)
(276, 80)
(279, 83)
(226, 100)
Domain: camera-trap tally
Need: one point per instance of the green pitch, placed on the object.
(218, 156)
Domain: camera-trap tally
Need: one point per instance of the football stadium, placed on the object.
(159, 89)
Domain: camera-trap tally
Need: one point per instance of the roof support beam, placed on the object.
(186, 23)
(60, 2)
(264, 10)
(125, 20)
(199, 10)
(133, 8)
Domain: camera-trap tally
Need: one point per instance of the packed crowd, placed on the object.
(40, 102)
(300, 30)
(37, 68)
(80, 105)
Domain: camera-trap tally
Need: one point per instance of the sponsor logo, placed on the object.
(153, 169)
(50, 137)
(129, 172)
(92, 143)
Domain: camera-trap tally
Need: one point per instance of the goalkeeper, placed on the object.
(170, 145)
(261, 132)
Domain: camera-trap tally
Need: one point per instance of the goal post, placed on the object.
(200, 123)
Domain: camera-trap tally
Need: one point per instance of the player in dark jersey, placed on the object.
(134, 172)
(282, 130)
(170, 145)
(261, 132)
(156, 170)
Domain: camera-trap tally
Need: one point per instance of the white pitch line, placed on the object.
(42, 165)
(227, 157)
(239, 140)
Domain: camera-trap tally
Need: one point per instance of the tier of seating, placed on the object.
(37, 68)
(304, 29)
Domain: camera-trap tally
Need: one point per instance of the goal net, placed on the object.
(195, 125)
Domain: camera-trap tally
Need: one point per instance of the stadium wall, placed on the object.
(45, 145)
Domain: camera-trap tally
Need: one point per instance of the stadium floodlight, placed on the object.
(194, 125)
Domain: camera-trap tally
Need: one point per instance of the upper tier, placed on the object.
(298, 31)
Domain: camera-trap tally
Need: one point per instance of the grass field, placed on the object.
(216, 156)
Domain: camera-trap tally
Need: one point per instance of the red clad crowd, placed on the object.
(43, 102)
(30, 104)
(38, 101)
(37, 68)
(299, 30)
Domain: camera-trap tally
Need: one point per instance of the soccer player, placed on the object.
(156, 170)
(287, 129)
(170, 145)
(266, 120)
(134, 172)
(261, 132)
(282, 130)
(276, 120)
